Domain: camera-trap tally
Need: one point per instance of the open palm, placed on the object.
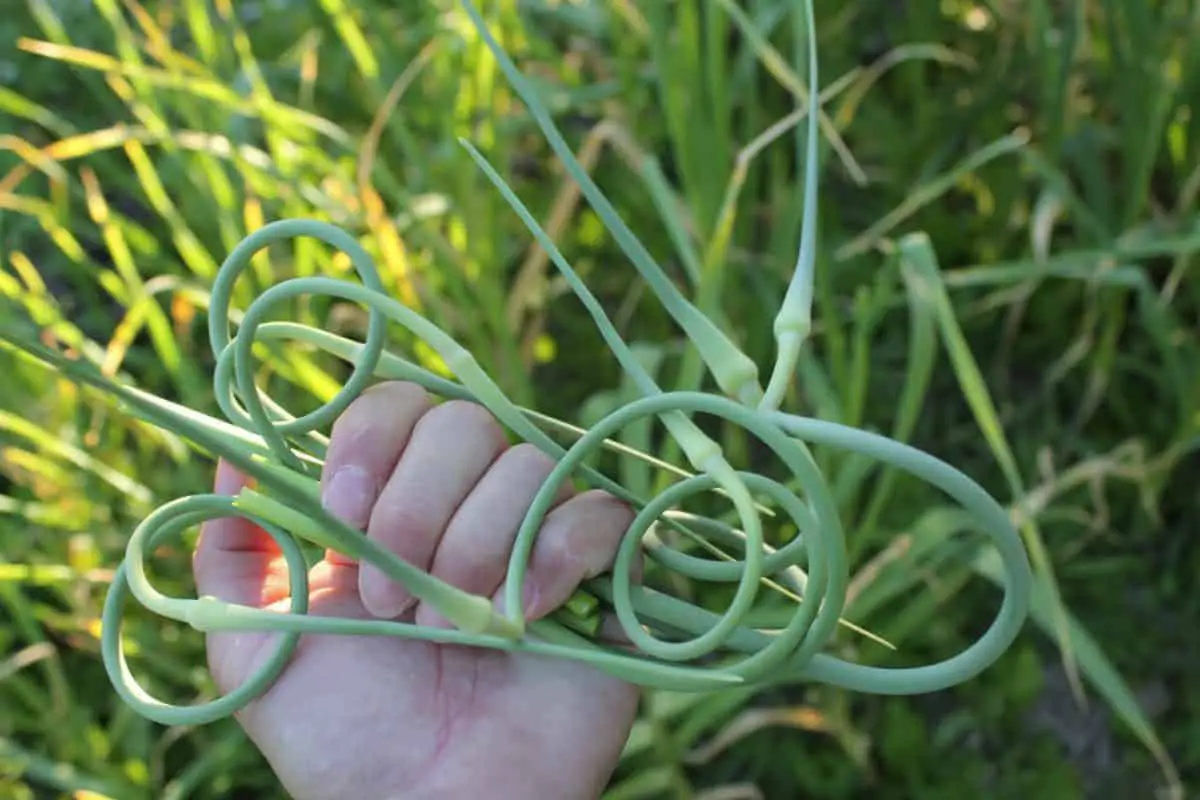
(373, 717)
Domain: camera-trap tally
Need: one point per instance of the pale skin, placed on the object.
(381, 717)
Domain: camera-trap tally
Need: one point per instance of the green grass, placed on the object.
(1008, 226)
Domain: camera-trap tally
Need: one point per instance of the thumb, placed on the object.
(235, 559)
(238, 562)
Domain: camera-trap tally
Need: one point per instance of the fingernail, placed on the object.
(382, 598)
(349, 496)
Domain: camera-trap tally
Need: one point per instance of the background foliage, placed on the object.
(1048, 150)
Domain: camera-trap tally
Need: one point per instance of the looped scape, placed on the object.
(671, 643)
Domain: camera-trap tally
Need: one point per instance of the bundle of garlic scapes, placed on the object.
(672, 643)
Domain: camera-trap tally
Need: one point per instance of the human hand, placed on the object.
(383, 717)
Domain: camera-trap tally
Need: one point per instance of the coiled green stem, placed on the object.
(676, 645)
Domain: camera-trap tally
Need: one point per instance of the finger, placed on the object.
(234, 558)
(578, 540)
(474, 551)
(365, 445)
(450, 449)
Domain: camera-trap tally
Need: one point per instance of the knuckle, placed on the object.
(397, 521)
(559, 553)
(471, 570)
(528, 457)
(580, 539)
(393, 387)
(378, 401)
(612, 509)
(463, 412)
(607, 519)
(349, 433)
